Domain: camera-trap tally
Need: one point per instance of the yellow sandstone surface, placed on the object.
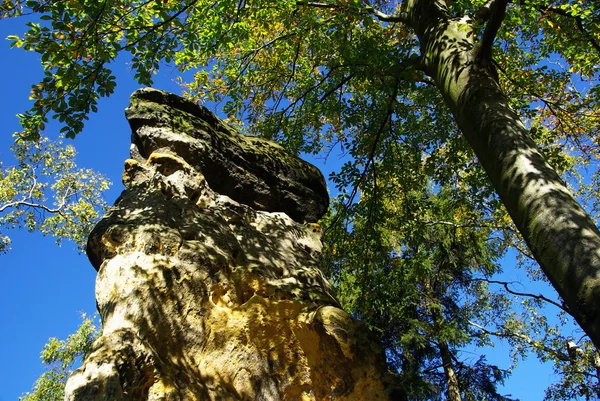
(206, 298)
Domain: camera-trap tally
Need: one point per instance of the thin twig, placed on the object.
(526, 294)
(371, 155)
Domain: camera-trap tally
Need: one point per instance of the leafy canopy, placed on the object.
(45, 191)
(60, 356)
(343, 76)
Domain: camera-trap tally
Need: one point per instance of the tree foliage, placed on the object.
(420, 226)
(421, 292)
(45, 191)
(60, 357)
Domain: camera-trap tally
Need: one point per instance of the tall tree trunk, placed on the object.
(597, 367)
(561, 236)
(451, 379)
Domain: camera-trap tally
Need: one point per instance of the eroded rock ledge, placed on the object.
(215, 294)
(250, 170)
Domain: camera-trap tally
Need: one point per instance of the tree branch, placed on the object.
(381, 16)
(578, 21)
(32, 205)
(343, 81)
(160, 25)
(524, 253)
(285, 87)
(585, 33)
(26, 199)
(316, 4)
(402, 17)
(484, 12)
(532, 343)
(412, 62)
(313, 87)
(497, 11)
(456, 225)
(526, 294)
(371, 156)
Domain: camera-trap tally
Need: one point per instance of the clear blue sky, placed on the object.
(43, 288)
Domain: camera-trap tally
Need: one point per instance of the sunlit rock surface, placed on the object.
(208, 285)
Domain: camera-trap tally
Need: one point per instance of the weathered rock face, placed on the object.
(250, 170)
(208, 288)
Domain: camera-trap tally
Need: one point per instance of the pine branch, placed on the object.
(456, 225)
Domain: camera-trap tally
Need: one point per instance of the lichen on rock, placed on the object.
(208, 282)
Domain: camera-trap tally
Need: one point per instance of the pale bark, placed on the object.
(446, 356)
(561, 236)
(451, 379)
(597, 367)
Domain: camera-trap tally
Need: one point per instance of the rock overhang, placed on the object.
(251, 170)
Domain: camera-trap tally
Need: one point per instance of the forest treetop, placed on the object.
(420, 94)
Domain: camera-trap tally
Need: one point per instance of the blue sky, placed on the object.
(44, 288)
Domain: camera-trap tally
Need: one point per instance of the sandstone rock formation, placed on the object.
(208, 284)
